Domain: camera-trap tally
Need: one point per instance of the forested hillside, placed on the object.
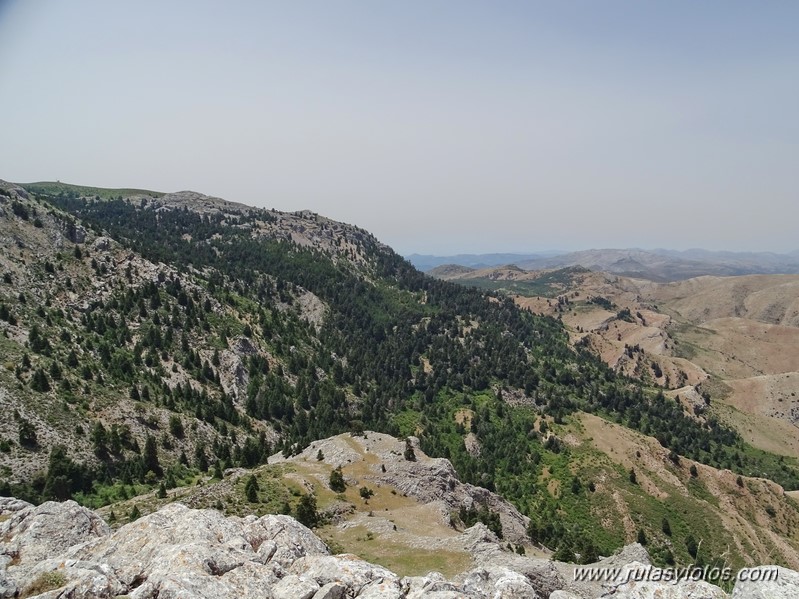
(147, 336)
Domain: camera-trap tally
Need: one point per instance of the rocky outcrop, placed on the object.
(175, 552)
(36, 533)
(62, 550)
(767, 582)
(629, 586)
(428, 480)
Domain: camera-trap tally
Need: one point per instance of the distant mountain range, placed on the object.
(655, 265)
(426, 262)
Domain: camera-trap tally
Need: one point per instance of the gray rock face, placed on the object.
(294, 587)
(349, 570)
(37, 533)
(498, 582)
(332, 590)
(65, 551)
(767, 582)
(175, 552)
(290, 539)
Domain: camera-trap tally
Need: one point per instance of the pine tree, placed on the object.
(251, 489)
(336, 481)
(40, 382)
(27, 434)
(151, 463)
(306, 511)
(666, 527)
(564, 552)
(642, 537)
(691, 546)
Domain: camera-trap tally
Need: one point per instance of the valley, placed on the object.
(732, 341)
(162, 348)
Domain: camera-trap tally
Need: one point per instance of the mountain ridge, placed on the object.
(661, 265)
(150, 341)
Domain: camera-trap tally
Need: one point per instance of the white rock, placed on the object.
(498, 582)
(512, 585)
(37, 533)
(658, 589)
(758, 586)
(416, 587)
(347, 569)
(250, 580)
(291, 539)
(294, 587)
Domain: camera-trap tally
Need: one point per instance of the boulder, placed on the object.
(417, 587)
(176, 553)
(641, 581)
(498, 582)
(381, 589)
(35, 533)
(766, 582)
(347, 569)
(281, 539)
(294, 587)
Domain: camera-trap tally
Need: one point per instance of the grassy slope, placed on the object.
(54, 188)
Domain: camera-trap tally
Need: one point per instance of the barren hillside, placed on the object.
(737, 335)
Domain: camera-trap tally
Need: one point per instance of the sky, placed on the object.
(440, 126)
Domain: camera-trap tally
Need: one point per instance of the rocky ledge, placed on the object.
(65, 551)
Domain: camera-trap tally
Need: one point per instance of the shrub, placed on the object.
(46, 581)
(409, 454)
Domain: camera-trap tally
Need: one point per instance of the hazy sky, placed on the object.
(440, 126)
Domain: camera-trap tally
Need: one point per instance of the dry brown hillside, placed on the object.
(735, 339)
(751, 514)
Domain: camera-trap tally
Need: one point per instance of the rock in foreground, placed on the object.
(61, 550)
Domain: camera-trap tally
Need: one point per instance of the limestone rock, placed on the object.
(634, 553)
(39, 532)
(294, 587)
(66, 551)
(381, 589)
(498, 582)
(628, 587)
(287, 540)
(417, 587)
(176, 553)
(347, 569)
(758, 585)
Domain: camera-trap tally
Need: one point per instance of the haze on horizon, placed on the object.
(441, 127)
